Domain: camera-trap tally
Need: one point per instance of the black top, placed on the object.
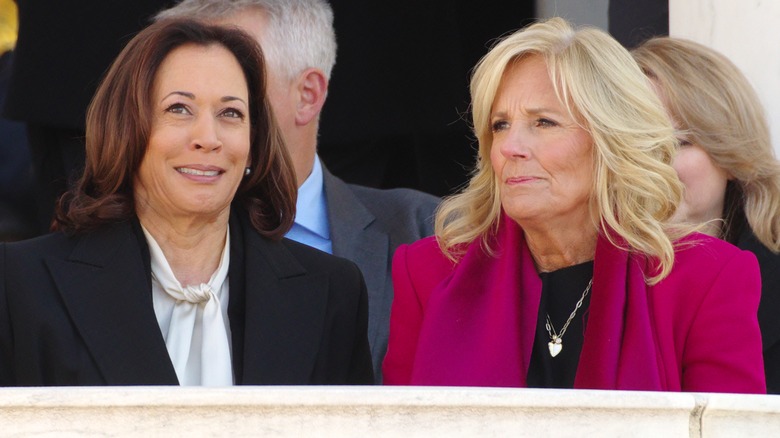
(769, 263)
(561, 290)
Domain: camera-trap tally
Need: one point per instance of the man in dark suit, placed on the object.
(364, 225)
(64, 47)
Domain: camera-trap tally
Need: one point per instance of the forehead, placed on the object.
(201, 67)
(527, 86)
(530, 64)
(526, 78)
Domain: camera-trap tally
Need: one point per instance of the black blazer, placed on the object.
(78, 311)
(769, 308)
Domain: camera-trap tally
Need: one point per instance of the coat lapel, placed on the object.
(478, 330)
(285, 314)
(106, 288)
(354, 239)
(619, 350)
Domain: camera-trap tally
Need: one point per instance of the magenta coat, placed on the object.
(473, 323)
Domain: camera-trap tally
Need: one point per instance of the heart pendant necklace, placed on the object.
(556, 339)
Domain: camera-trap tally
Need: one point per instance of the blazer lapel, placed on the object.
(107, 291)
(285, 314)
(355, 240)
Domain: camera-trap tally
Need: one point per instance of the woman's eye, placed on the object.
(683, 142)
(499, 125)
(545, 123)
(233, 113)
(178, 108)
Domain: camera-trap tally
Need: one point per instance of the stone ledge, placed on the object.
(378, 411)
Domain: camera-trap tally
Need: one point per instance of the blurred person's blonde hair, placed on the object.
(9, 25)
(714, 106)
(635, 188)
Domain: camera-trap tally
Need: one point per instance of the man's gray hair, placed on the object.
(300, 33)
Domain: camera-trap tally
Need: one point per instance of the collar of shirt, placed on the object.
(311, 209)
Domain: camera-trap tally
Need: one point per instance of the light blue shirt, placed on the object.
(311, 225)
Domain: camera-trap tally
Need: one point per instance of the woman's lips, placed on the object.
(521, 180)
(200, 172)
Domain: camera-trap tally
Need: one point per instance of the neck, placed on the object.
(303, 168)
(192, 248)
(303, 151)
(556, 249)
(714, 228)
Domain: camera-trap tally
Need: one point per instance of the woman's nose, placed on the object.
(513, 144)
(205, 135)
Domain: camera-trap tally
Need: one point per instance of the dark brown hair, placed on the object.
(119, 124)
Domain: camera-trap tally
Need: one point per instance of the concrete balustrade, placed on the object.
(377, 412)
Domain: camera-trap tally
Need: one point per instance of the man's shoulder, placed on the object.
(404, 214)
(377, 199)
(396, 199)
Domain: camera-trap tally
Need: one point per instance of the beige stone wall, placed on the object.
(379, 412)
(747, 32)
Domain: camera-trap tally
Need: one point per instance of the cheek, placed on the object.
(496, 159)
(685, 168)
(583, 180)
(246, 153)
(240, 148)
(576, 162)
(248, 156)
(704, 184)
(145, 176)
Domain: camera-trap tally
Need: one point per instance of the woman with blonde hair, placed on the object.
(725, 161)
(555, 266)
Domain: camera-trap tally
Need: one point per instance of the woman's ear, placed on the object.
(312, 89)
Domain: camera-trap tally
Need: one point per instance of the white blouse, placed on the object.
(193, 320)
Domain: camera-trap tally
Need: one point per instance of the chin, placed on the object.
(206, 209)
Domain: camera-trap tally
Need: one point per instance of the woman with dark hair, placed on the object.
(169, 264)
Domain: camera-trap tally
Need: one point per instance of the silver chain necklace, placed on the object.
(556, 339)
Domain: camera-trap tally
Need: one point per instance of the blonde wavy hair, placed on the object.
(715, 107)
(635, 189)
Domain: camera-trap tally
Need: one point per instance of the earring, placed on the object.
(247, 171)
